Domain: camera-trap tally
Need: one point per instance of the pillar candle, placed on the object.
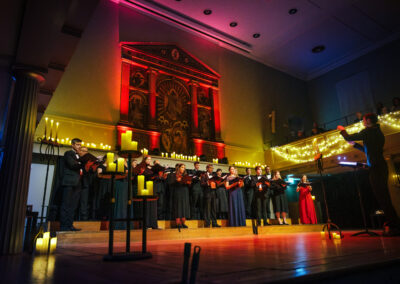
(110, 157)
(123, 142)
(46, 241)
(39, 245)
(149, 187)
(120, 165)
(134, 145)
(57, 130)
(45, 127)
(53, 244)
(140, 184)
(111, 167)
(51, 128)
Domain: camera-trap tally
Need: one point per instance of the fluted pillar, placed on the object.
(195, 114)
(152, 120)
(16, 167)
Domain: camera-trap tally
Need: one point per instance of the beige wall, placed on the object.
(90, 87)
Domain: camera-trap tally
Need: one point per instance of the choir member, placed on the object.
(248, 192)
(222, 200)
(197, 195)
(121, 198)
(159, 188)
(373, 142)
(71, 186)
(262, 197)
(180, 192)
(84, 195)
(268, 173)
(306, 203)
(103, 193)
(237, 212)
(144, 168)
(210, 198)
(278, 186)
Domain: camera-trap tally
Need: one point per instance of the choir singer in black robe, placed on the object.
(210, 198)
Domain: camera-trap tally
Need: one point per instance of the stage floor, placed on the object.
(246, 259)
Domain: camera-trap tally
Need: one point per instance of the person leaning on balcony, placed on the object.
(373, 142)
(316, 129)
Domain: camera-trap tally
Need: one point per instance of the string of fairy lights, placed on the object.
(331, 144)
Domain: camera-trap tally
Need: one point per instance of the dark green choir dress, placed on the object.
(180, 198)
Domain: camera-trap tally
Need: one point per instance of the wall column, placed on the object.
(125, 78)
(152, 121)
(195, 114)
(216, 115)
(16, 167)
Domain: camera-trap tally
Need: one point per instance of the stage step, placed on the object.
(94, 226)
(83, 237)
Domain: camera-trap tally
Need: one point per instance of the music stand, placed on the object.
(328, 225)
(356, 166)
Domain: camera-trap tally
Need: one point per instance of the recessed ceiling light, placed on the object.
(256, 35)
(233, 24)
(207, 12)
(318, 49)
(292, 11)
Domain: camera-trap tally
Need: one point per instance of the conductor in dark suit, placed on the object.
(71, 183)
(373, 142)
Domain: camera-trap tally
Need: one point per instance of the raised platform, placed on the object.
(101, 236)
(94, 226)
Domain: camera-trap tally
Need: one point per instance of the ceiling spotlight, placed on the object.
(318, 49)
(292, 11)
(207, 12)
(233, 24)
(257, 35)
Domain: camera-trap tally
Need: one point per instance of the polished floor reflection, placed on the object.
(256, 259)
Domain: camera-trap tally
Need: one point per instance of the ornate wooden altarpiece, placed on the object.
(169, 99)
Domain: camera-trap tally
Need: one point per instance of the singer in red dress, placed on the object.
(306, 203)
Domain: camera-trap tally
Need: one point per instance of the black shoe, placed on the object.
(75, 229)
(266, 224)
(216, 225)
(285, 224)
(184, 226)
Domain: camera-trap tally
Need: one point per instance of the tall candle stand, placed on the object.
(49, 151)
(127, 255)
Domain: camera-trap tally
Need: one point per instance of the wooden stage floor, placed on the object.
(242, 259)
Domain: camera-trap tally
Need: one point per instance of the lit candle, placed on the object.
(313, 197)
(149, 187)
(134, 145)
(162, 154)
(140, 184)
(57, 130)
(128, 140)
(51, 128)
(53, 244)
(111, 166)
(123, 142)
(39, 245)
(46, 241)
(120, 165)
(45, 127)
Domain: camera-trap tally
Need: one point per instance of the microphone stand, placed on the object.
(328, 225)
